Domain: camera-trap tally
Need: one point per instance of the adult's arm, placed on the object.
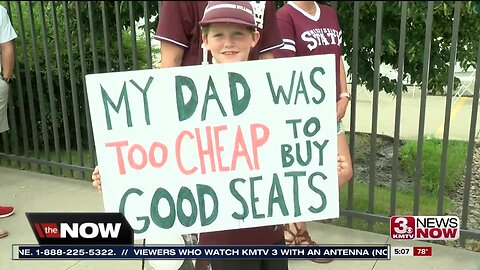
(267, 55)
(342, 103)
(343, 75)
(287, 33)
(173, 30)
(7, 35)
(270, 38)
(171, 54)
(8, 59)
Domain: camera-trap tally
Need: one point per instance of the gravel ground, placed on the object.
(473, 221)
(384, 176)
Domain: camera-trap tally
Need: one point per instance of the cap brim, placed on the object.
(226, 20)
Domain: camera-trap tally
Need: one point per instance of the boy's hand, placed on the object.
(97, 182)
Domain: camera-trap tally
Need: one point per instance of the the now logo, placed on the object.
(81, 228)
(76, 230)
(90, 230)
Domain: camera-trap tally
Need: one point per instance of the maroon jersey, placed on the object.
(304, 34)
(265, 235)
(179, 24)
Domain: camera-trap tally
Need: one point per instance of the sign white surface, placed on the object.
(216, 147)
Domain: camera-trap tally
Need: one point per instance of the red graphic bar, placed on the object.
(422, 251)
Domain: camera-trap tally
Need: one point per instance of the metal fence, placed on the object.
(59, 42)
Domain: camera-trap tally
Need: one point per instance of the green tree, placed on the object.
(467, 48)
(55, 16)
(415, 37)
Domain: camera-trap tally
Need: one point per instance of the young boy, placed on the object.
(229, 32)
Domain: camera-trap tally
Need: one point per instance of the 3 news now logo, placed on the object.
(424, 227)
(81, 228)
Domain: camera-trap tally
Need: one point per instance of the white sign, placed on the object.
(225, 146)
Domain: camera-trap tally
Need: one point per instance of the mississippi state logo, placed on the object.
(259, 12)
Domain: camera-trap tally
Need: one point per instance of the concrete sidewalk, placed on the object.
(33, 192)
(460, 115)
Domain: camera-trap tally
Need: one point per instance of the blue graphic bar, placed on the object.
(362, 252)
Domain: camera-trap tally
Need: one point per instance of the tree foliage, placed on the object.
(441, 43)
(42, 26)
(33, 57)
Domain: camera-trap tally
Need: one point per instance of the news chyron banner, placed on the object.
(169, 252)
(81, 228)
(217, 147)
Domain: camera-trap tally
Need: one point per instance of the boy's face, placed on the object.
(230, 43)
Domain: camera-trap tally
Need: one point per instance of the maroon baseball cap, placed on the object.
(238, 12)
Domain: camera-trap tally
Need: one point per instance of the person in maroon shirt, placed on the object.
(181, 40)
(309, 28)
